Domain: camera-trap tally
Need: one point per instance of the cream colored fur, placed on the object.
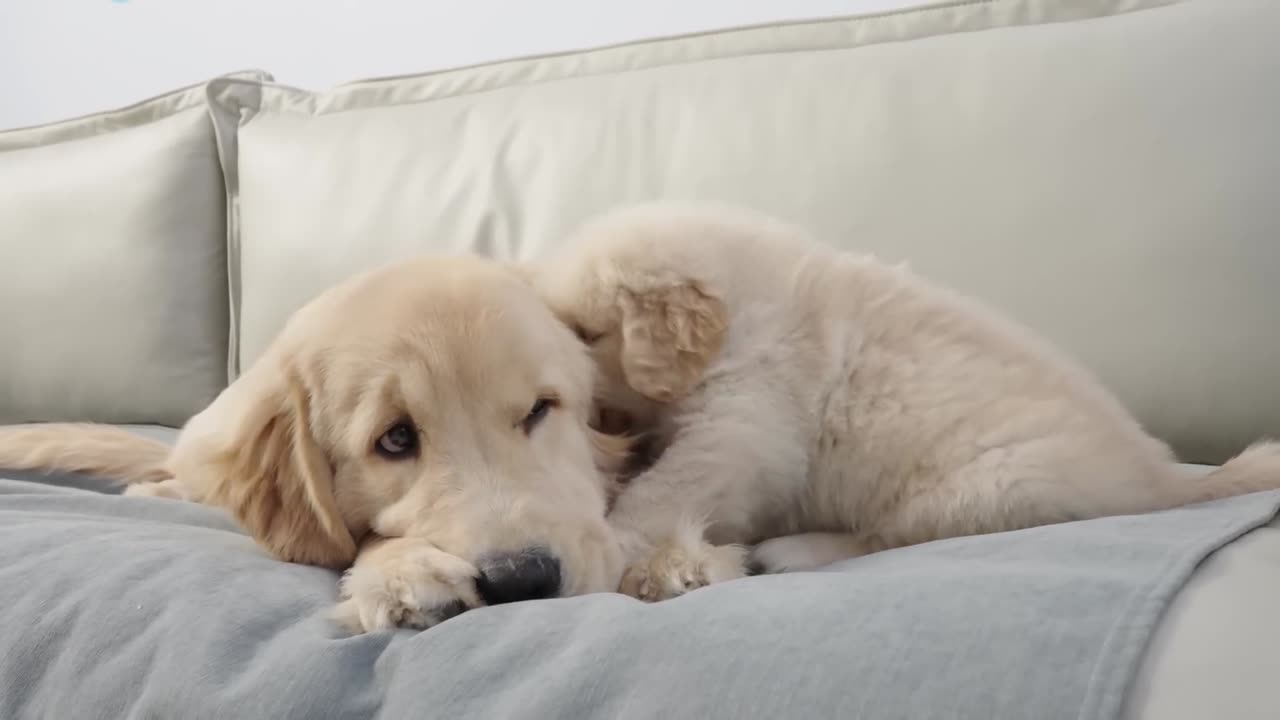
(824, 405)
(109, 452)
(458, 347)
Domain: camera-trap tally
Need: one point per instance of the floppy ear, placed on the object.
(670, 334)
(615, 460)
(279, 484)
(612, 453)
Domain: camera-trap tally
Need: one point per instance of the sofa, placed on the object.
(1121, 154)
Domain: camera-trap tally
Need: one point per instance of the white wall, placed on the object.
(62, 58)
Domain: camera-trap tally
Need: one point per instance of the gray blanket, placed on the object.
(114, 607)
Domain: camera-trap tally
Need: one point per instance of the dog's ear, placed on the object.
(670, 334)
(615, 459)
(278, 482)
(612, 453)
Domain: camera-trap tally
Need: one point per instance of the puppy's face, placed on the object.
(437, 398)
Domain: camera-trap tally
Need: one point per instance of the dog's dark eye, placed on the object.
(537, 413)
(586, 335)
(399, 442)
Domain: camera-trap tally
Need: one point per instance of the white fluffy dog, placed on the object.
(825, 405)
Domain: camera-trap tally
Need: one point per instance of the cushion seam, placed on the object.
(134, 115)
(312, 97)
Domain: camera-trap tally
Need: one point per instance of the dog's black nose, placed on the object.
(531, 574)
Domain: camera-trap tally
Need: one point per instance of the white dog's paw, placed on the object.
(675, 568)
(416, 587)
(806, 551)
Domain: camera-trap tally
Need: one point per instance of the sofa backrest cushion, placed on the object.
(1105, 171)
(113, 281)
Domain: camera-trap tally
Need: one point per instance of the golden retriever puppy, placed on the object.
(822, 405)
(430, 416)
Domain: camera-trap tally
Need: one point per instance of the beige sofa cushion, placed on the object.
(113, 297)
(1103, 170)
(1214, 653)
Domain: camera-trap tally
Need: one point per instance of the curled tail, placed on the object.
(102, 451)
(1254, 470)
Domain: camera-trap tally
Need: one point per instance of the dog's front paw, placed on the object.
(675, 568)
(405, 584)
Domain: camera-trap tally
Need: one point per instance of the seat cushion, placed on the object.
(1214, 653)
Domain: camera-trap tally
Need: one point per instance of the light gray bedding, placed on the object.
(145, 608)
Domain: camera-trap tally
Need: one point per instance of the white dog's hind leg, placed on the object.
(806, 551)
